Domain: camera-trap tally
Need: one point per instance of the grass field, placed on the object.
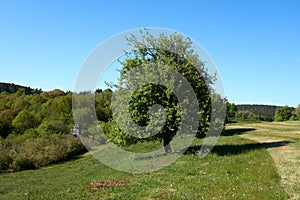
(286, 157)
(251, 161)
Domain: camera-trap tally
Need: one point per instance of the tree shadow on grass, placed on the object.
(236, 131)
(222, 150)
(228, 149)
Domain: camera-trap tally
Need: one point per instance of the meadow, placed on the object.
(250, 161)
(286, 157)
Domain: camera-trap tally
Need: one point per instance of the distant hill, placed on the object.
(13, 88)
(264, 110)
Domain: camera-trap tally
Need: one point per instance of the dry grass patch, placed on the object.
(105, 184)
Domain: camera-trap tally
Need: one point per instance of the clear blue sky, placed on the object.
(255, 44)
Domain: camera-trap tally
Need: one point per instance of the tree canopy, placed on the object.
(155, 60)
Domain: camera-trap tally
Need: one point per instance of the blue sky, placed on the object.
(255, 44)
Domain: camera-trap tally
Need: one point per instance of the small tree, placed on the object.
(154, 53)
(283, 113)
(231, 110)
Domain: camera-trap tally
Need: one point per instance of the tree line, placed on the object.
(13, 88)
(256, 113)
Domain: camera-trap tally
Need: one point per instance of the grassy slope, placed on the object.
(237, 169)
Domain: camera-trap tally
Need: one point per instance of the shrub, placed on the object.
(116, 136)
(283, 113)
(38, 152)
(248, 116)
(5, 158)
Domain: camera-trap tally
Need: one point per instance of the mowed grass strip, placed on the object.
(287, 157)
(237, 168)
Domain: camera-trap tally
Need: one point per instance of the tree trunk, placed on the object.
(167, 146)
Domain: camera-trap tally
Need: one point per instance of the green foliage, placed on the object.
(53, 127)
(241, 116)
(5, 158)
(296, 114)
(115, 135)
(65, 108)
(6, 117)
(35, 128)
(56, 93)
(12, 88)
(20, 104)
(19, 152)
(247, 116)
(283, 113)
(231, 110)
(24, 120)
(153, 54)
(103, 105)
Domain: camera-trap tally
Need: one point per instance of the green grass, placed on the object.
(236, 169)
(144, 147)
(286, 157)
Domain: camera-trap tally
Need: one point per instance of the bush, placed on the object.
(5, 158)
(254, 118)
(38, 152)
(20, 161)
(283, 113)
(116, 136)
(75, 147)
(248, 116)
